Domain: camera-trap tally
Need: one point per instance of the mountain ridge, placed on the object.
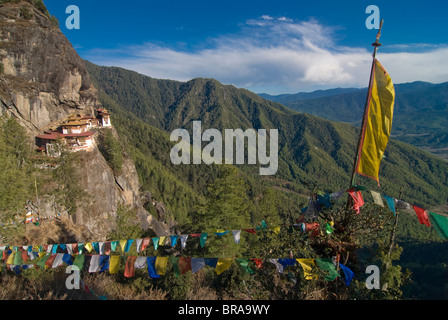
(415, 102)
(311, 148)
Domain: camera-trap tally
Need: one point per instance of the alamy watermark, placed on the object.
(234, 147)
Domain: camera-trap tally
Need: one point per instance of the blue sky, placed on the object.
(282, 46)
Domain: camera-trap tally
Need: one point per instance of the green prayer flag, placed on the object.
(440, 223)
(327, 265)
(18, 259)
(79, 261)
(113, 245)
(244, 265)
(41, 262)
(155, 241)
(175, 265)
(202, 239)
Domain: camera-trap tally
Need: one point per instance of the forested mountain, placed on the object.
(419, 115)
(312, 151)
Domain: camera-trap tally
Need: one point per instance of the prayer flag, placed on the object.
(377, 198)
(183, 240)
(152, 267)
(114, 263)
(422, 216)
(175, 264)
(173, 240)
(390, 203)
(327, 265)
(258, 263)
(307, 266)
(79, 261)
(138, 244)
(94, 263)
(123, 244)
(129, 270)
(58, 260)
(244, 265)
(145, 243)
(104, 263)
(197, 264)
(223, 264)
(155, 242)
(377, 123)
(161, 263)
(202, 239)
(211, 262)
(440, 223)
(278, 266)
(236, 235)
(113, 245)
(128, 245)
(184, 264)
(357, 198)
(140, 262)
(348, 274)
(96, 247)
(89, 247)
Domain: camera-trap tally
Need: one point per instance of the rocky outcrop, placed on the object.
(43, 81)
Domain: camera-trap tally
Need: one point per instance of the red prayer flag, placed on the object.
(107, 247)
(145, 243)
(75, 248)
(357, 198)
(196, 235)
(258, 263)
(25, 256)
(50, 260)
(422, 216)
(250, 231)
(184, 264)
(129, 270)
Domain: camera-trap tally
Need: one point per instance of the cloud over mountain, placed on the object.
(273, 54)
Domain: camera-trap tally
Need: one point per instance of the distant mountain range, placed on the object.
(420, 114)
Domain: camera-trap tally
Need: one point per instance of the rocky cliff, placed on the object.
(42, 81)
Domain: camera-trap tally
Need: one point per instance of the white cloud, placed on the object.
(277, 54)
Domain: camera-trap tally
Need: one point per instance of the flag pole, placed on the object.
(376, 44)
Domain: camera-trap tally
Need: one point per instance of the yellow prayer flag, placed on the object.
(10, 259)
(88, 246)
(307, 266)
(276, 230)
(123, 244)
(161, 263)
(377, 122)
(162, 241)
(223, 264)
(114, 264)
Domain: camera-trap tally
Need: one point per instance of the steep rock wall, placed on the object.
(43, 81)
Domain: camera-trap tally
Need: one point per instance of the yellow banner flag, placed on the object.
(377, 122)
(161, 263)
(114, 263)
(223, 264)
(308, 265)
(89, 247)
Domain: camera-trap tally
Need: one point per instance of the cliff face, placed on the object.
(43, 81)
